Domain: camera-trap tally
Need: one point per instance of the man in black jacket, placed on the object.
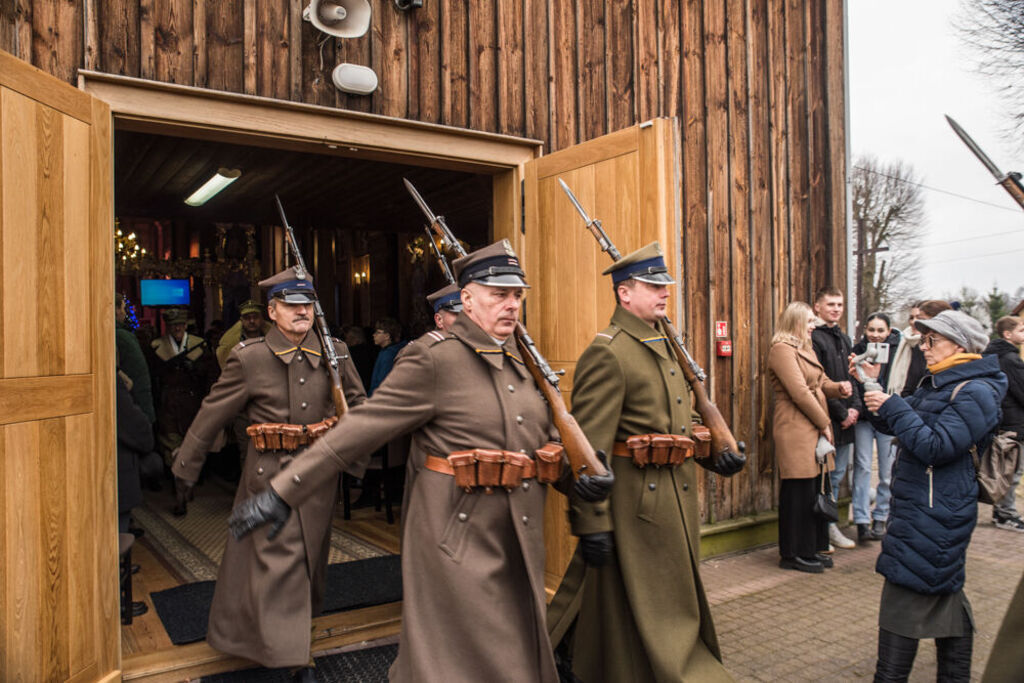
(833, 347)
(1010, 331)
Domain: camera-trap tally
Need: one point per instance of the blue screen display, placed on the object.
(164, 292)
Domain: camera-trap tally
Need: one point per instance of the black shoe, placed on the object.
(878, 528)
(802, 565)
(825, 560)
(304, 675)
(865, 534)
(139, 608)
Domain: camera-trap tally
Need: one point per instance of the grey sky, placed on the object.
(907, 68)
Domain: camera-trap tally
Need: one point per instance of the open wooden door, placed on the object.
(627, 180)
(59, 615)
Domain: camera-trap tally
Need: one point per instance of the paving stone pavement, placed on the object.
(783, 625)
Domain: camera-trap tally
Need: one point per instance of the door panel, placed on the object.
(59, 616)
(627, 180)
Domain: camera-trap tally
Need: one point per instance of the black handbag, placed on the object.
(824, 504)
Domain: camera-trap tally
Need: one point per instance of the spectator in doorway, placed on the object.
(250, 325)
(800, 417)
(869, 433)
(1006, 347)
(387, 334)
(934, 497)
(907, 365)
(131, 358)
(832, 347)
(363, 355)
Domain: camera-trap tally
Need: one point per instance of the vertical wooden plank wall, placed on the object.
(757, 86)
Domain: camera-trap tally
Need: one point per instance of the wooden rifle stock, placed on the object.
(722, 440)
(582, 458)
(337, 393)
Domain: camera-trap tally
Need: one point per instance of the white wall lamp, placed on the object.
(221, 179)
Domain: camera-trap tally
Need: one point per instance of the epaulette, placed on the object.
(249, 342)
(434, 337)
(606, 335)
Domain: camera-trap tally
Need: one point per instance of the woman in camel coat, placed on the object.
(800, 417)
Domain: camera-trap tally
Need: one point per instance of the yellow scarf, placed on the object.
(955, 359)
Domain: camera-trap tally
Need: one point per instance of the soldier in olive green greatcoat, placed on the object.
(642, 613)
(473, 605)
(269, 589)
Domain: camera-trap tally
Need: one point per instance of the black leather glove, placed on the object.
(725, 464)
(597, 548)
(593, 488)
(263, 508)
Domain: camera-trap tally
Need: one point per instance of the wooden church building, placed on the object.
(717, 127)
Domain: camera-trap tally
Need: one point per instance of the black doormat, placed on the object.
(365, 666)
(185, 610)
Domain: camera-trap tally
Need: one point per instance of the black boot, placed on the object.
(865, 534)
(304, 675)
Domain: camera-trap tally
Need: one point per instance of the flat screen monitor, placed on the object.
(164, 292)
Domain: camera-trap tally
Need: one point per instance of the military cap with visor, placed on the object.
(175, 316)
(288, 287)
(646, 265)
(447, 299)
(249, 306)
(495, 265)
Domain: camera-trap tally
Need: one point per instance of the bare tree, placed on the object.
(994, 29)
(888, 217)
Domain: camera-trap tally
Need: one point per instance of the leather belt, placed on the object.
(442, 466)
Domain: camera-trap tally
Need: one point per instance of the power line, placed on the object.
(971, 239)
(969, 258)
(935, 189)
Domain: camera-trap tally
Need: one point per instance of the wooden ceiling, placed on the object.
(153, 174)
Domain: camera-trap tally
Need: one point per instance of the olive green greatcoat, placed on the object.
(267, 591)
(800, 413)
(1006, 663)
(644, 615)
(472, 563)
(232, 336)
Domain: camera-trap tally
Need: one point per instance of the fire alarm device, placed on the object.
(723, 348)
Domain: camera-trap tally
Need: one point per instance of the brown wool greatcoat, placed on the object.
(472, 563)
(800, 412)
(267, 591)
(644, 615)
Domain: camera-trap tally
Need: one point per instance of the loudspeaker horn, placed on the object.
(339, 18)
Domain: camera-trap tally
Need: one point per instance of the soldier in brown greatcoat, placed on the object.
(268, 590)
(472, 562)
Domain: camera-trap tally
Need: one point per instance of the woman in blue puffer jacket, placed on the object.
(934, 503)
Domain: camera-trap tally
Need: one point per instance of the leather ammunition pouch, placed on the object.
(490, 468)
(702, 440)
(656, 449)
(281, 436)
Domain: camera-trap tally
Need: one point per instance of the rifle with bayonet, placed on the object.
(1010, 181)
(582, 457)
(722, 440)
(441, 259)
(322, 330)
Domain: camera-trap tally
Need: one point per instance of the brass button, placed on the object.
(519, 419)
(526, 520)
(652, 486)
(302, 380)
(686, 487)
(671, 371)
(299, 357)
(297, 479)
(511, 388)
(259, 470)
(304, 405)
(522, 450)
(463, 516)
(679, 399)
(526, 486)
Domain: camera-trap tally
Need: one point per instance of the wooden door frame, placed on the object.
(168, 109)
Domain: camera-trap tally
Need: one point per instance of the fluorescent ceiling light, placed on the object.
(220, 180)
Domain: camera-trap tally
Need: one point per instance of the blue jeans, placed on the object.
(837, 475)
(866, 437)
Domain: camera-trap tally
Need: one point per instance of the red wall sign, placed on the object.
(721, 328)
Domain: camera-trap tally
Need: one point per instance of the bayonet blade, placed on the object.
(420, 201)
(973, 146)
(575, 202)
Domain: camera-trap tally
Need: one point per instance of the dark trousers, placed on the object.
(896, 657)
(801, 532)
